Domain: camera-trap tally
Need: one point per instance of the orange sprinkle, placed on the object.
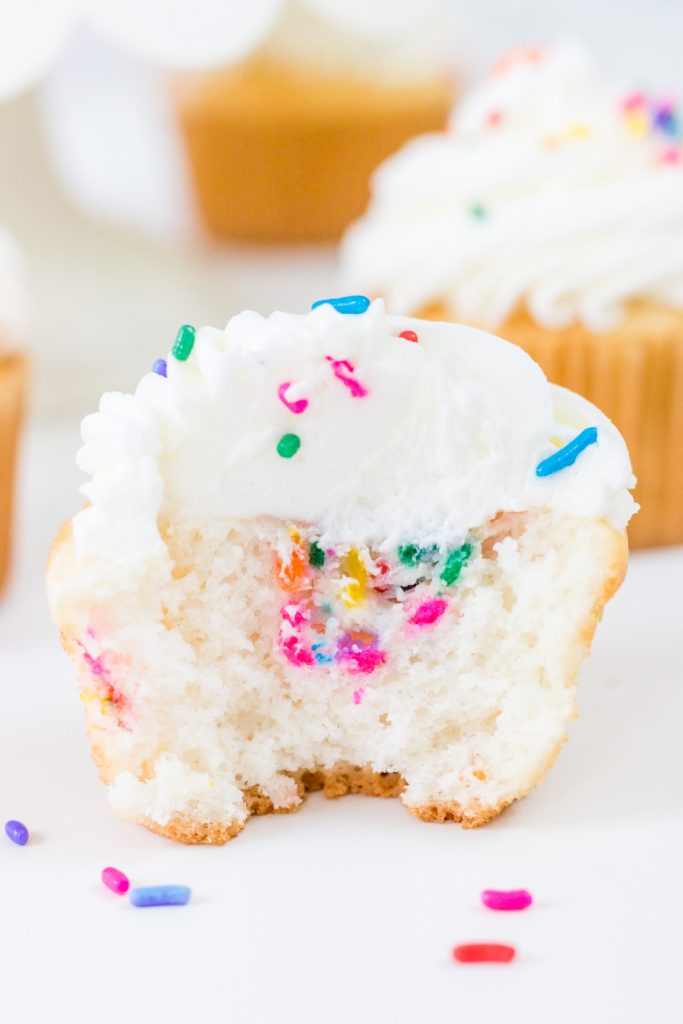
(292, 574)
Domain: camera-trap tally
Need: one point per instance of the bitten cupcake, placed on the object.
(343, 551)
(552, 212)
(13, 379)
(281, 145)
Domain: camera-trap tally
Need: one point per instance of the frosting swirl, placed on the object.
(396, 441)
(551, 190)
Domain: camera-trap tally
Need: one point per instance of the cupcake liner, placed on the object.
(634, 374)
(13, 378)
(276, 154)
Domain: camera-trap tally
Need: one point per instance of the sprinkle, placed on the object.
(161, 896)
(670, 155)
(512, 899)
(342, 368)
(184, 343)
(358, 695)
(428, 612)
(409, 336)
(411, 554)
(288, 445)
(455, 563)
(296, 407)
(484, 952)
(633, 101)
(17, 832)
(115, 880)
(637, 123)
(345, 303)
(292, 574)
(478, 211)
(316, 555)
(568, 455)
(159, 366)
(493, 118)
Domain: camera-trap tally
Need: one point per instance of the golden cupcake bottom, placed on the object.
(634, 373)
(275, 155)
(13, 376)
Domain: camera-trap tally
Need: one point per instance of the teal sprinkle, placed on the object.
(346, 303)
(184, 343)
(478, 211)
(316, 555)
(455, 563)
(411, 554)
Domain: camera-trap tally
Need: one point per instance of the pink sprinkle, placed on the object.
(512, 899)
(493, 118)
(671, 155)
(115, 880)
(342, 368)
(358, 695)
(296, 407)
(633, 101)
(429, 612)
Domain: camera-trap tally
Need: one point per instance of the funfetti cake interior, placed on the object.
(343, 550)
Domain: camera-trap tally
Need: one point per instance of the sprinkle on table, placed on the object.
(17, 832)
(184, 343)
(568, 455)
(115, 880)
(484, 953)
(506, 899)
(159, 366)
(160, 896)
(346, 303)
(288, 445)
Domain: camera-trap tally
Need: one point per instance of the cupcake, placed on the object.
(551, 213)
(343, 551)
(13, 379)
(281, 145)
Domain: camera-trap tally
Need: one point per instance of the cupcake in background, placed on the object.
(281, 145)
(552, 212)
(13, 379)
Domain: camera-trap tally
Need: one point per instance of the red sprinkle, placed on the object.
(409, 336)
(493, 118)
(115, 880)
(511, 899)
(483, 953)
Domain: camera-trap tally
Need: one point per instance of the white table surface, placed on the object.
(348, 910)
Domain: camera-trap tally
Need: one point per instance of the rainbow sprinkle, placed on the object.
(184, 343)
(343, 370)
(568, 455)
(346, 303)
(511, 899)
(159, 366)
(288, 445)
(297, 407)
(17, 832)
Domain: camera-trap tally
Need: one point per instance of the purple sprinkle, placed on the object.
(159, 367)
(17, 832)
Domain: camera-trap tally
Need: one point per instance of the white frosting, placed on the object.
(578, 213)
(449, 433)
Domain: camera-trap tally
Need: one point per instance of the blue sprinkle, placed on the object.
(160, 896)
(346, 304)
(159, 367)
(323, 659)
(568, 455)
(17, 832)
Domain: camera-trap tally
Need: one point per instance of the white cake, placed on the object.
(397, 604)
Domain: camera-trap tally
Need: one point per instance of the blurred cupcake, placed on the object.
(13, 377)
(552, 212)
(281, 145)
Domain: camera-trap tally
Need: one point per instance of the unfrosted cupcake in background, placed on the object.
(281, 145)
(552, 211)
(13, 379)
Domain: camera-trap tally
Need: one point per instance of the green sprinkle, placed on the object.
(184, 343)
(478, 211)
(411, 554)
(455, 563)
(288, 445)
(316, 555)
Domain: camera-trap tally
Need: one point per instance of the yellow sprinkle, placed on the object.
(352, 594)
(578, 131)
(354, 566)
(88, 695)
(557, 441)
(637, 123)
(294, 534)
(211, 784)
